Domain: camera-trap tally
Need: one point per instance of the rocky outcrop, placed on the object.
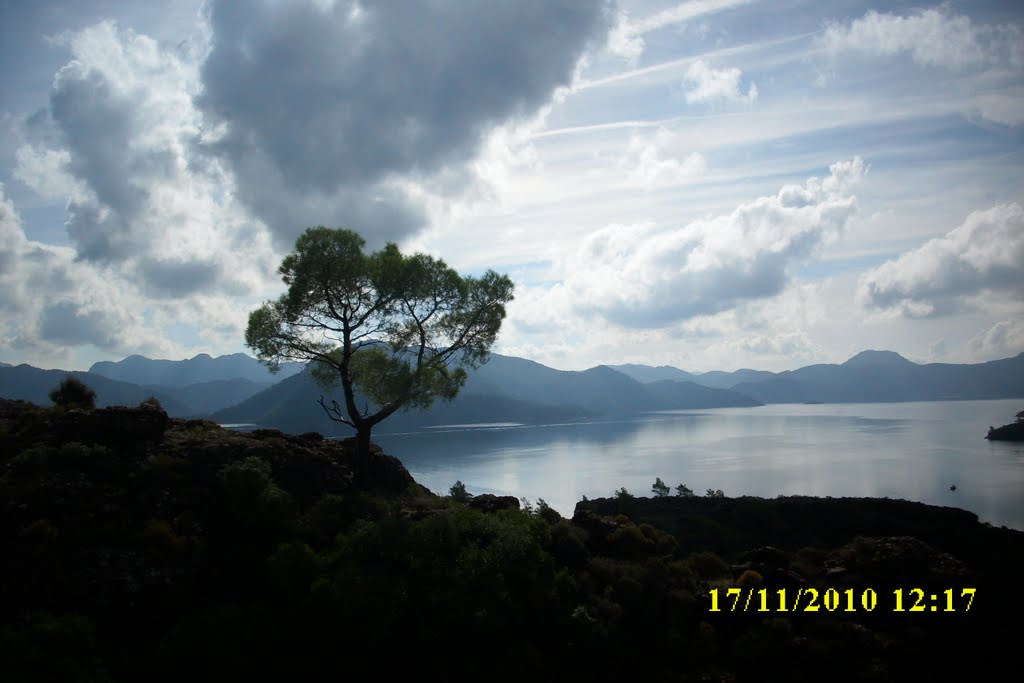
(488, 502)
(1010, 432)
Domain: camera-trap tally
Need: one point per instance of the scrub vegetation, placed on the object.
(139, 547)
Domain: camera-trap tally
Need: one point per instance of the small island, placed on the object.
(1010, 432)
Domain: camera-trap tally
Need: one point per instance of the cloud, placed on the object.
(626, 38)
(52, 301)
(711, 86)
(635, 275)
(117, 143)
(646, 160)
(984, 256)
(932, 37)
(324, 106)
(1004, 339)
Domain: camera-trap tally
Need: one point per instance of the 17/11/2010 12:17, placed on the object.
(832, 600)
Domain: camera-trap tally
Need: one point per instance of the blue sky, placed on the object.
(710, 184)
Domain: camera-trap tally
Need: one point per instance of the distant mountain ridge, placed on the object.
(32, 384)
(510, 389)
(883, 376)
(200, 368)
(29, 383)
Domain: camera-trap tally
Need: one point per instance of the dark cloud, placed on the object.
(178, 278)
(331, 102)
(66, 323)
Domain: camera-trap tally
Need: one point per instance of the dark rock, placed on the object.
(488, 502)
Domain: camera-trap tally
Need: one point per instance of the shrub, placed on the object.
(458, 492)
(708, 565)
(546, 512)
(151, 402)
(715, 493)
(623, 494)
(749, 579)
(73, 393)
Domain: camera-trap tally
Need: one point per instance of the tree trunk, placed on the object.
(363, 449)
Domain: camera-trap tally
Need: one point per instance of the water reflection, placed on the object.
(900, 450)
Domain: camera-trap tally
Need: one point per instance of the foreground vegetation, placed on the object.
(137, 547)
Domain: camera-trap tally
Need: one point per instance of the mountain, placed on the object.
(727, 380)
(716, 378)
(884, 376)
(291, 406)
(203, 398)
(32, 384)
(647, 373)
(505, 389)
(202, 368)
(5, 365)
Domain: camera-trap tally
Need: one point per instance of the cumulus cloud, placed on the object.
(119, 148)
(932, 37)
(52, 301)
(982, 256)
(649, 159)
(1005, 338)
(635, 275)
(324, 105)
(712, 86)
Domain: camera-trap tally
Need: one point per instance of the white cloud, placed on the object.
(982, 256)
(649, 159)
(626, 38)
(1004, 339)
(52, 301)
(932, 37)
(636, 275)
(711, 86)
(139, 199)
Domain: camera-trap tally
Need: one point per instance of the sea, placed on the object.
(933, 452)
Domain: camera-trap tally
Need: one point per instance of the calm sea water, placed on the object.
(914, 451)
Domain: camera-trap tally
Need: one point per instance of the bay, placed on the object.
(915, 451)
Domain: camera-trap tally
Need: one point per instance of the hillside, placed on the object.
(139, 547)
(291, 405)
(26, 383)
(505, 389)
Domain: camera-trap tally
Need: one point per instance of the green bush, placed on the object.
(458, 493)
(73, 393)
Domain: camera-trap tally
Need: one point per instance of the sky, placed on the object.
(708, 184)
